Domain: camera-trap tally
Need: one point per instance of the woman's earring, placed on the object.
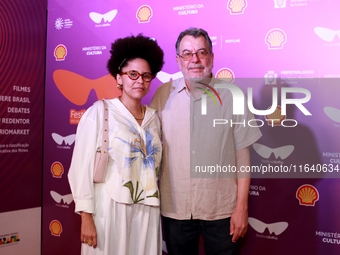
(119, 86)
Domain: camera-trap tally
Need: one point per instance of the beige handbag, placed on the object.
(102, 157)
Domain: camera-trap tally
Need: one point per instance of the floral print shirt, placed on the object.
(135, 154)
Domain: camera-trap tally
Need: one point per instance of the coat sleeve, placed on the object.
(80, 174)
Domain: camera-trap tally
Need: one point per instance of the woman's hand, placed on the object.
(88, 233)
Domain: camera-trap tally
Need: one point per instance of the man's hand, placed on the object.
(238, 223)
(239, 218)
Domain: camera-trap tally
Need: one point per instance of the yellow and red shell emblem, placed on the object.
(56, 228)
(237, 6)
(275, 39)
(60, 52)
(225, 74)
(144, 14)
(307, 195)
(57, 169)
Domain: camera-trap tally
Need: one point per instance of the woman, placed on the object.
(121, 216)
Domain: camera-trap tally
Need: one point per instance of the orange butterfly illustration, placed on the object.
(76, 88)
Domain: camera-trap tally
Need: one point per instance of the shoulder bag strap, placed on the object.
(105, 137)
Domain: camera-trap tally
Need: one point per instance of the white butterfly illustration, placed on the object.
(69, 140)
(332, 113)
(165, 77)
(67, 199)
(326, 34)
(276, 228)
(265, 151)
(108, 17)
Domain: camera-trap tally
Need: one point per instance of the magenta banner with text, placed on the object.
(22, 54)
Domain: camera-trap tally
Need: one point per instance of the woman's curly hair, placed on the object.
(125, 49)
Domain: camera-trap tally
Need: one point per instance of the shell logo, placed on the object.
(276, 117)
(56, 228)
(57, 169)
(307, 195)
(275, 39)
(236, 7)
(144, 14)
(60, 52)
(225, 74)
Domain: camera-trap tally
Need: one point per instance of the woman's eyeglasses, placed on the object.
(134, 75)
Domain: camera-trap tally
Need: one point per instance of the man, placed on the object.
(195, 202)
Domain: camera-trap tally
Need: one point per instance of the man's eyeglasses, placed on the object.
(134, 75)
(201, 54)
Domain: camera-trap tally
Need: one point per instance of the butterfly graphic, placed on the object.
(265, 152)
(165, 77)
(108, 17)
(68, 140)
(67, 199)
(276, 228)
(76, 88)
(326, 34)
(332, 113)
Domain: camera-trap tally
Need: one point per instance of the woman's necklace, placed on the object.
(141, 107)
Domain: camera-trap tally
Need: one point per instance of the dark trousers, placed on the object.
(182, 237)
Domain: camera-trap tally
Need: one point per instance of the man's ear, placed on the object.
(178, 60)
(212, 59)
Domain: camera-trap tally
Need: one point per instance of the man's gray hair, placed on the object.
(194, 32)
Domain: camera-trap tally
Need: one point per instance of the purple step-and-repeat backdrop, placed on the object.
(291, 45)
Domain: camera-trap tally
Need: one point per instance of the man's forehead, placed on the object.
(189, 42)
